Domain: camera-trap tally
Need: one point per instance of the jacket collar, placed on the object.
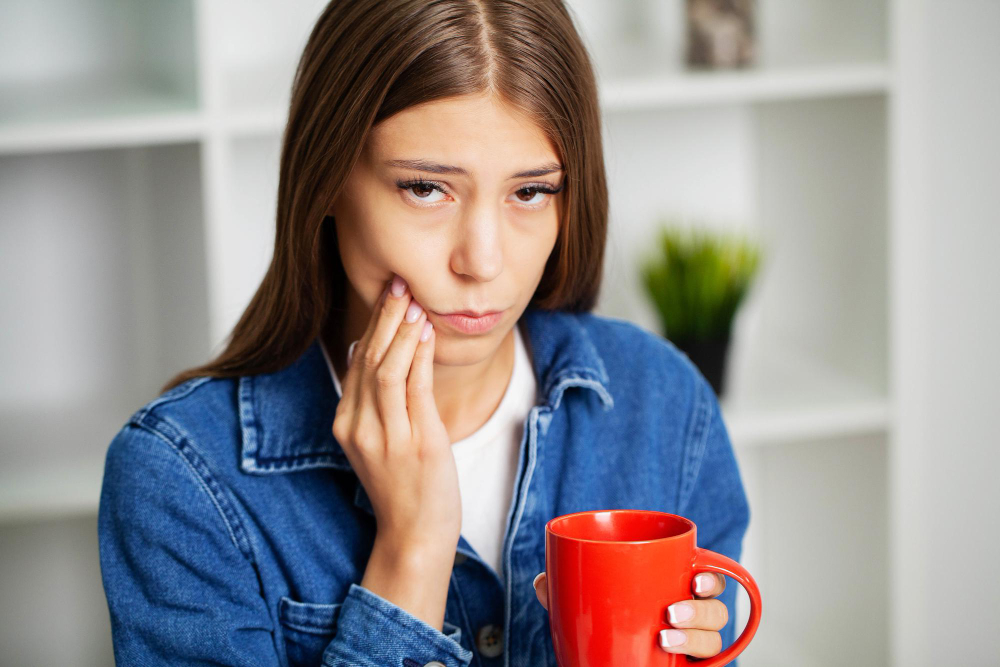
(286, 417)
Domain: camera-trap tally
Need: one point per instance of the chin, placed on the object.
(454, 349)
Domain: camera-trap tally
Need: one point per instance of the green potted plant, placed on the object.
(697, 279)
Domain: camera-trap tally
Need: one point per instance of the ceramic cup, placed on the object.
(610, 576)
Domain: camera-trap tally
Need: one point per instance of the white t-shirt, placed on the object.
(487, 458)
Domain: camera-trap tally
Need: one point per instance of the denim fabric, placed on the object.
(234, 531)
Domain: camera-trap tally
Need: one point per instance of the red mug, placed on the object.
(610, 576)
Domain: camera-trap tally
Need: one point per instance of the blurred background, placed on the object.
(855, 141)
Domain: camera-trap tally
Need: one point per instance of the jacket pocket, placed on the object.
(308, 628)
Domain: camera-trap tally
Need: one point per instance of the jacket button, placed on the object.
(460, 558)
(434, 663)
(489, 640)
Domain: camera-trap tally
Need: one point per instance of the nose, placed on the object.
(478, 251)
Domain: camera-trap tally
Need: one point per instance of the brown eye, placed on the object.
(427, 189)
(420, 190)
(533, 197)
(536, 197)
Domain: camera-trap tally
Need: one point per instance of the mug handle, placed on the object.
(710, 561)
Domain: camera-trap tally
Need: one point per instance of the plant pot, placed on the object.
(710, 358)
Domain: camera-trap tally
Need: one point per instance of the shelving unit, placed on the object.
(795, 151)
(139, 203)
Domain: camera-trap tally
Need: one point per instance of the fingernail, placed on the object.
(413, 311)
(679, 611)
(426, 333)
(703, 583)
(671, 638)
(398, 286)
(350, 352)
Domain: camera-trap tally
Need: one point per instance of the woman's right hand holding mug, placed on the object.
(388, 425)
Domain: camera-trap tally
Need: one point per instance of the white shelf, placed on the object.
(100, 133)
(96, 73)
(741, 87)
(42, 478)
(54, 491)
(791, 398)
(761, 428)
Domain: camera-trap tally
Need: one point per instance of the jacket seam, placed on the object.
(465, 614)
(177, 393)
(327, 456)
(531, 454)
(575, 372)
(206, 485)
(249, 444)
(567, 378)
(700, 428)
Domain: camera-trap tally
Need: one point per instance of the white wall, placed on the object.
(947, 496)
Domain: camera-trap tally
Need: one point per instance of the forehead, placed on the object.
(476, 132)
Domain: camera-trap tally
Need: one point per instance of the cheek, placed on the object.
(528, 263)
(534, 242)
(373, 248)
(362, 250)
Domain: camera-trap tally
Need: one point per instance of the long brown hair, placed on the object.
(366, 60)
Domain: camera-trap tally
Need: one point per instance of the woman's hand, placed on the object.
(701, 620)
(388, 424)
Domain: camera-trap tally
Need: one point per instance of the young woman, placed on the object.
(363, 475)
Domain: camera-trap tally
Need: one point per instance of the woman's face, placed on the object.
(441, 197)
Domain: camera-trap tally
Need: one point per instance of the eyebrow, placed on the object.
(433, 167)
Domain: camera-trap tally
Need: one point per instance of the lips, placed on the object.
(472, 313)
(463, 322)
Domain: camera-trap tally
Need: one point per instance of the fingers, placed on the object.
(373, 345)
(541, 590)
(371, 350)
(352, 379)
(391, 378)
(701, 620)
(420, 385)
(696, 643)
(383, 391)
(708, 585)
(700, 614)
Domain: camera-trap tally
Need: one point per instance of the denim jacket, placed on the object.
(233, 530)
